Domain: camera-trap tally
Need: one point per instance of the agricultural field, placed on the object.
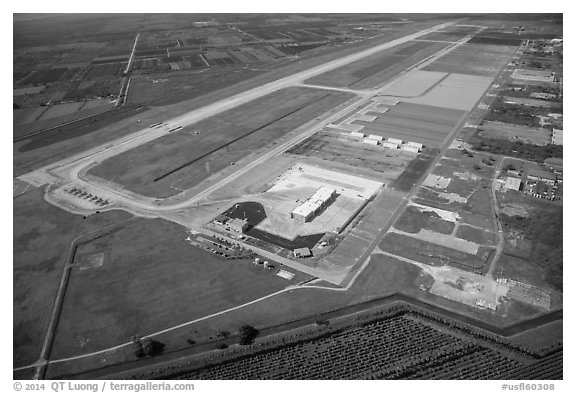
(166, 89)
(184, 158)
(154, 280)
(412, 348)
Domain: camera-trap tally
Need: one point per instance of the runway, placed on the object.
(72, 170)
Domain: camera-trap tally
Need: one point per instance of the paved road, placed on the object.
(100, 153)
(496, 218)
(73, 169)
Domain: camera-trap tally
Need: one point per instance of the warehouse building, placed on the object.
(309, 209)
(389, 145)
(395, 141)
(410, 149)
(417, 145)
(513, 183)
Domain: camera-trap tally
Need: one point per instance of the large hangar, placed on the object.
(308, 210)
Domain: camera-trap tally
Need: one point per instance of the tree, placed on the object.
(146, 347)
(247, 334)
(137, 343)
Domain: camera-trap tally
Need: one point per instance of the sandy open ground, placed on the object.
(457, 91)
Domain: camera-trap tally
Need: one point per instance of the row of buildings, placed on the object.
(388, 143)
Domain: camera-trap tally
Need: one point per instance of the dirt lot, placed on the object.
(151, 279)
(513, 132)
(42, 234)
(474, 59)
(184, 158)
(425, 124)
(413, 220)
(375, 70)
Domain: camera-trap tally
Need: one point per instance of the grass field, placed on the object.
(384, 276)
(513, 132)
(434, 254)
(425, 124)
(477, 235)
(534, 240)
(414, 171)
(474, 59)
(151, 279)
(184, 158)
(376, 69)
(42, 234)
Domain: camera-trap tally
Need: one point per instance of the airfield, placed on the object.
(379, 127)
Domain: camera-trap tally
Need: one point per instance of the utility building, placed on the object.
(302, 252)
(238, 225)
(309, 209)
(376, 137)
(357, 134)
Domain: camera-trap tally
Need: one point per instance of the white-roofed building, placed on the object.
(557, 137)
(513, 183)
(395, 141)
(321, 198)
(389, 145)
(410, 149)
(357, 134)
(418, 145)
(369, 141)
(375, 137)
